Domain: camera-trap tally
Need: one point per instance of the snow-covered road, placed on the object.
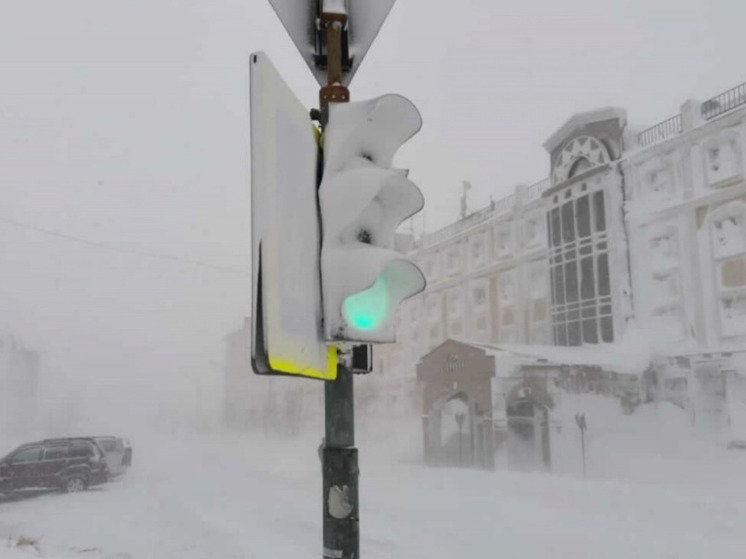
(248, 497)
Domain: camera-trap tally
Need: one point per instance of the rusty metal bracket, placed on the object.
(334, 94)
(327, 18)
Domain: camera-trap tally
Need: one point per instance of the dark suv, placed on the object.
(68, 464)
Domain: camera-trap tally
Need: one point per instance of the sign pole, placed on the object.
(341, 517)
(582, 425)
(340, 470)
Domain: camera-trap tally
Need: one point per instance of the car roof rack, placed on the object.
(65, 439)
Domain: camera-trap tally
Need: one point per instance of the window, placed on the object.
(506, 288)
(604, 286)
(538, 308)
(82, 450)
(109, 445)
(533, 230)
(27, 455)
(538, 280)
(454, 302)
(579, 279)
(722, 160)
(664, 295)
(55, 452)
(478, 250)
(503, 240)
(479, 295)
(581, 165)
(587, 279)
(599, 212)
(584, 217)
(478, 318)
(728, 234)
(729, 252)
(507, 299)
(555, 227)
(455, 311)
(453, 260)
(568, 222)
(659, 182)
(430, 266)
(433, 306)
(663, 246)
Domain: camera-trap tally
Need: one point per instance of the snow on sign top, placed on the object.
(365, 18)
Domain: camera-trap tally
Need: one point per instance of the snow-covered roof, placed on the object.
(615, 357)
(581, 119)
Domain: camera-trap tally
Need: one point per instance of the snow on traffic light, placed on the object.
(363, 200)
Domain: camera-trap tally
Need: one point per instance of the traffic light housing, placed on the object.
(363, 200)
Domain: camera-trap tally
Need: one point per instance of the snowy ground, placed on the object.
(654, 491)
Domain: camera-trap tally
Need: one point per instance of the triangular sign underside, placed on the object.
(365, 20)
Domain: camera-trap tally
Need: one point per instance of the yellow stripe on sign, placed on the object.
(293, 369)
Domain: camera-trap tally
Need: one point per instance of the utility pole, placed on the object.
(341, 514)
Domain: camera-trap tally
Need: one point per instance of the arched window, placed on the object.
(580, 165)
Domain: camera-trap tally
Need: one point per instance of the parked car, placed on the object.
(118, 452)
(70, 464)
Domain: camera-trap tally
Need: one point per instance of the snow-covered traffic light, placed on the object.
(363, 201)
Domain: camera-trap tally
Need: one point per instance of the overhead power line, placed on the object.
(134, 252)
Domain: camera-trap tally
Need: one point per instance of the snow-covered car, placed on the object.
(70, 464)
(118, 453)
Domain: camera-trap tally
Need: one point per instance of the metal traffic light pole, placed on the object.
(341, 525)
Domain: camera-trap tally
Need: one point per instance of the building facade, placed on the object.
(636, 238)
(686, 213)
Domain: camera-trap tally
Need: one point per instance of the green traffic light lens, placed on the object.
(368, 309)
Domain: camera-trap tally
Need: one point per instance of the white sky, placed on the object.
(126, 123)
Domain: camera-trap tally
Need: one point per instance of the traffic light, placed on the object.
(363, 201)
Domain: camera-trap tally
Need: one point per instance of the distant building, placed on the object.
(275, 404)
(19, 387)
(637, 239)
(237, 394)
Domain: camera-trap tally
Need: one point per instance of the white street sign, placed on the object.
(286, 286)
(365, 18)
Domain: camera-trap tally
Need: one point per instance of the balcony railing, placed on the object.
(534, 191)
(469, 221)
(501, 207)
(724, 102)
(661, 131)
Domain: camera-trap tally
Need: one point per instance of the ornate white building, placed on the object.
(686, 210)
(635, 239)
